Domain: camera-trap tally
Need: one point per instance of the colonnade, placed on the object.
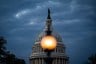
(39, 49)
(55, 61)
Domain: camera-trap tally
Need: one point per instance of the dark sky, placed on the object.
(21, 21)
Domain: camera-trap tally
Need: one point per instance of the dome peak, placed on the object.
(48, 26)
(48, 17)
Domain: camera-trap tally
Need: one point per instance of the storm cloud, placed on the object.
(21, 21)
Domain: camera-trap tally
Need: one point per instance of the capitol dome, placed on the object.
(58, 55)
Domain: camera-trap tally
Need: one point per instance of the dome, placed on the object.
(55, 34)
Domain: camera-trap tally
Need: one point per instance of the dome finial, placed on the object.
(48, 17)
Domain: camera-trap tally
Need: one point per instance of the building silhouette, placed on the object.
(59, 54)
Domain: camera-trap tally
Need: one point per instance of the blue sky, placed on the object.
(21, 21)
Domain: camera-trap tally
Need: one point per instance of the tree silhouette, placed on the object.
(92, 59)
(12, 59)
(2, 49)
(20, 61)
(6, 57)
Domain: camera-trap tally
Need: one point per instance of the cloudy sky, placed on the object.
(21, 21)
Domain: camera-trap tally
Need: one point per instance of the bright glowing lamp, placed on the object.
(48, 42)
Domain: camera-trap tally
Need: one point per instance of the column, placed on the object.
(40, 49)
(35, 61)
(53, 62)
(32, 61)
(59, 61)
(37, 49)
(62, 60)
(56, 50)
(56, 61)
(39, 61)
(65, 62)
(42, 61)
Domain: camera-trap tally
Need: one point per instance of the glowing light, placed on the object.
(48, 42)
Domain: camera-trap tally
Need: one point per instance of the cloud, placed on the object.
(54, 3)
(35, 9)
(73, 5)
(73, 19)
(49, 4)
(22, 13)
(31, 23)
(34, 21)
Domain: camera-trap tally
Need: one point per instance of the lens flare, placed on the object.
(48, 42)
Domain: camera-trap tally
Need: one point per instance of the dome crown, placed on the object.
(49, 30)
